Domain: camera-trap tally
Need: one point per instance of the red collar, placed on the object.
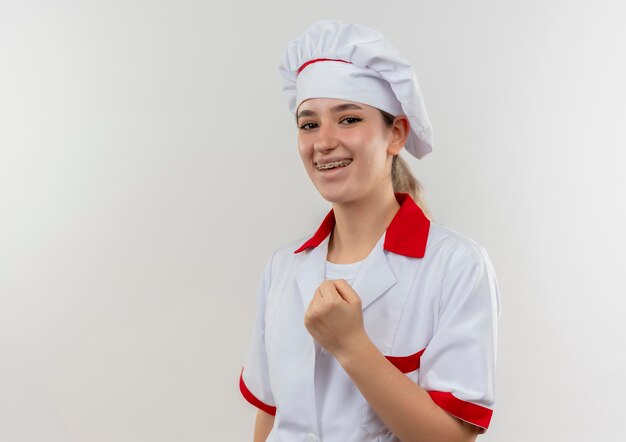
(406, 235)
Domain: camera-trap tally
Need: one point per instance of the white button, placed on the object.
(312, 437)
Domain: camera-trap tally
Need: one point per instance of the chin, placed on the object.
(336, 195)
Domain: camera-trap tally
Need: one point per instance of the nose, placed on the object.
(325, 138)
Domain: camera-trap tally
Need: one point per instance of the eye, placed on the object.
(351, 120)
(307, 126)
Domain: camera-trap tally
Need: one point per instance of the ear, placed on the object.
(399, 134)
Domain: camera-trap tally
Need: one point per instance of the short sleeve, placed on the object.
(254, 381)
(458, 365)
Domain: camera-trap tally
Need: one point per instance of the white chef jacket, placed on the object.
(430, 304)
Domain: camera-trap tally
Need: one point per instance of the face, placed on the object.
(331, 129)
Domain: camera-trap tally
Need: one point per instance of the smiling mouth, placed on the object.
(333, 165)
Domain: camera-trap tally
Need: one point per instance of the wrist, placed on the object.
(354, 350)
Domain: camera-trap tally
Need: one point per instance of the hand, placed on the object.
(335, 317)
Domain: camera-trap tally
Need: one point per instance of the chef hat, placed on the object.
(333, 59)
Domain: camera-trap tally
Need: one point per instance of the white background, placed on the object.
(148, 168)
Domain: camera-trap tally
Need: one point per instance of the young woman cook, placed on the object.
(381, 325)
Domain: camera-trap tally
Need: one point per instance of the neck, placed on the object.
(359, 224)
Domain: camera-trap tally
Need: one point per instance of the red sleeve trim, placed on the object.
(467, 411)
(247, 394)
(407, 364)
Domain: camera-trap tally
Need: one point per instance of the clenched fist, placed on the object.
(335, 317)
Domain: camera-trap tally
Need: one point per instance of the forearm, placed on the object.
(401, 404)
(263, 426)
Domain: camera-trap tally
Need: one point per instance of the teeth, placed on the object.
(333, 164)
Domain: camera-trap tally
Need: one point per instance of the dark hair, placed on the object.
(401, 176)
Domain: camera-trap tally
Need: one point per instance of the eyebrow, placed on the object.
(338, 108)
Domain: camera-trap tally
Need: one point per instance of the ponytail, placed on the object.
(404, 181)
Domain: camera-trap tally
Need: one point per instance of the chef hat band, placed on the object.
(331, 78)
(353, 62)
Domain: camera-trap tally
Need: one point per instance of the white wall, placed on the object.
(148, 167)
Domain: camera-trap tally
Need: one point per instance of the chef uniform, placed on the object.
(429, 295)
